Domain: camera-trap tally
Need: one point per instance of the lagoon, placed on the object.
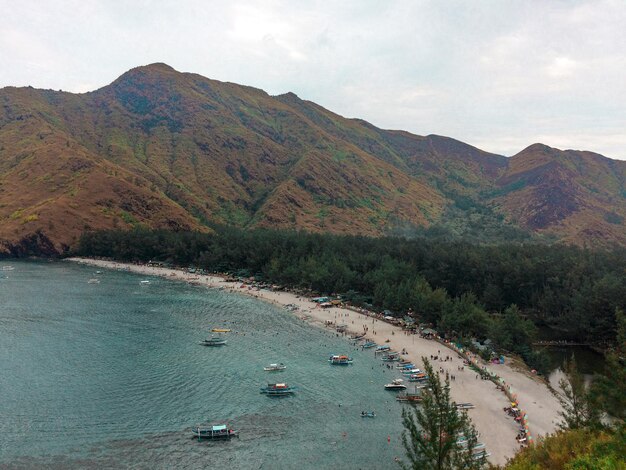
(111, 375)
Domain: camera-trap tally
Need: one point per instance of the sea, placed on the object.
(111, 375)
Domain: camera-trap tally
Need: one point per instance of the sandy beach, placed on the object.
(497, 429)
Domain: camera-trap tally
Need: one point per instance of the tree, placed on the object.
(609, 389)
(578, 408)
(437, 436)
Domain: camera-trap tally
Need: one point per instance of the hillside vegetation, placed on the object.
(164, 149)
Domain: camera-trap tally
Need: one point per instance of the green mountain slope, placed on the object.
(167, 149)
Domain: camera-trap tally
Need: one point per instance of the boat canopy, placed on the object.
(219, 427)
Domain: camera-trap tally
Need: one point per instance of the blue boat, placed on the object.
(340, 360)
(369, 344)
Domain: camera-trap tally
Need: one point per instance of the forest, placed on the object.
(503, 291)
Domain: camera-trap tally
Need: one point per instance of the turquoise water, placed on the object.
(110, 375)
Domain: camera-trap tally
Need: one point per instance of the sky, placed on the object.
(500, 75)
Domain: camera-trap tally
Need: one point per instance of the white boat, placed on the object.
(275, 367)
(93, 281)
(395, 384)
(145, 281)
(214, 341)
(7, 268)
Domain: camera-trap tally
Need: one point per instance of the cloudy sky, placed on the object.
(497, 74)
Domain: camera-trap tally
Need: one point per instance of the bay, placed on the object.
(110, 375)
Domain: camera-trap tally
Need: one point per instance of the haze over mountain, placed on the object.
(176, 150)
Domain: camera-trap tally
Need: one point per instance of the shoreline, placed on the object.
(497, 429)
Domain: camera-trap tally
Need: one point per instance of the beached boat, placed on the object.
(220, 330)
(369, 344)
(395, 384)
(358, 337)
(465, 406)
(275, 367)
(368, 414)
(383, 348)
(390, 358)
(280, 389)
(411, 371)
(340, 360)
(213, 431)
(213, 341)
(405, 365)
(410, 398)
(419, 378)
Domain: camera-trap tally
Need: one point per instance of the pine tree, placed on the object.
(437, 436)
(578, 408)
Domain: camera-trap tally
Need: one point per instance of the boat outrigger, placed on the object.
(340, 360)
(275, 367)
(221, 330)
(280, 389)
(213, 431)
(213, 341)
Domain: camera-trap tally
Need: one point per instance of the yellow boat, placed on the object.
(220, 330)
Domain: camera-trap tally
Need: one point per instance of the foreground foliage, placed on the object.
(575, 450)
(433, 430)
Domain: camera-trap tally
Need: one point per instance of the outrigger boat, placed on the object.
(213, 431)
(281, 389)
(410, 397)
(275, 367)
(383, 348)
(405, 365)
(358, 337)
(420, 378)
(368, 414)
(411, 371)
(368, 344)
(213, 341)
(395, 384)
(221, 330)
(465, 406)
(340, 360)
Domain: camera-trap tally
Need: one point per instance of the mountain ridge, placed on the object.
(162, 148)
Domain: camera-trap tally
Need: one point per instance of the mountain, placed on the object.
(176, 150)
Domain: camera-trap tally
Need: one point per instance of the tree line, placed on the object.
(497, 291)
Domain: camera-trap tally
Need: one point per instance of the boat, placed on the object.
(411, 371)
(358, 337)
(93, 281)
(280, 389)
(395, 384)
(465, 406)
(221, 330)
(420, 378)
(383, 348)
(213, 431)
(368, 414)
(145, 281)
(369, 344)
(340, 360)
(410, 397)
(7, 268)
(275, 367)
(405, 365)
(213, 341)
(390, 358)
